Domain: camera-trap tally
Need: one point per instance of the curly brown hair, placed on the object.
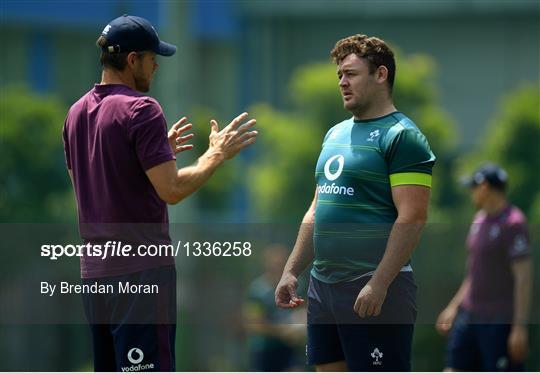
(373, 49)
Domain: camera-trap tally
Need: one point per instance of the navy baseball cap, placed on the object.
(491, 173)
(134, 34)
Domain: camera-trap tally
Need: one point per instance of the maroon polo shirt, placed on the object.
(112, 135)
(494, 242)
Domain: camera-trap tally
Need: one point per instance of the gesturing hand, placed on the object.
(370, 300)
(285, 294)
(175, 136)
(233, 138)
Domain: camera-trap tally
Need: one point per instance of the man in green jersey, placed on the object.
(371, 200)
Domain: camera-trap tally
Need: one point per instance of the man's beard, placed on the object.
(141, 84)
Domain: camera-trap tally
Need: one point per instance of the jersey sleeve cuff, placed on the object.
(410, 178)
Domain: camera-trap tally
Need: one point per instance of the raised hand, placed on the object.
(175, 136)
(234, 137)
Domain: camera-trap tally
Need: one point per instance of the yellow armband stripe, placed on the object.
(410, 178)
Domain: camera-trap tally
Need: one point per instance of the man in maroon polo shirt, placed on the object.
(121, 160)
(487, 318)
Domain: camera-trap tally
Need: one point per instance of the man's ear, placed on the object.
(131, 58)
(381, 74)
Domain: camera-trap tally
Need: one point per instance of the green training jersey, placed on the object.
(360, 161)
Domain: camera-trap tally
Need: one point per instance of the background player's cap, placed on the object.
(491, 173)
(134, 34)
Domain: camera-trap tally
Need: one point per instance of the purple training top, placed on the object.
(493, 243)
(112, 135)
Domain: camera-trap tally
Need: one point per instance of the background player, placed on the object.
(487, 318)
(274, 338)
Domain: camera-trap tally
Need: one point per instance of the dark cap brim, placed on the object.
(166, 49)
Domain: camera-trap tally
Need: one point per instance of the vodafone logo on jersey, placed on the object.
(334, 175)
(341, 162)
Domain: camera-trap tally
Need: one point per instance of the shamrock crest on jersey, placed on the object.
(373, 135)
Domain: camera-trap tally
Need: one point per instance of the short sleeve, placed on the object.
(410, 159)
(147, 131)
(66, 146)
(518, 241)
(328, 134)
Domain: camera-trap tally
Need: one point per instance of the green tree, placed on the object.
(512, 141)
(282, 176)
(35, 185)
(215, 195)
(535, 211)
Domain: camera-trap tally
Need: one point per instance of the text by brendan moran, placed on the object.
(122, 287)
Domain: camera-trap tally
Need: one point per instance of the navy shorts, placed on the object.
(336, 332)
(134, 331)
(479, 344)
